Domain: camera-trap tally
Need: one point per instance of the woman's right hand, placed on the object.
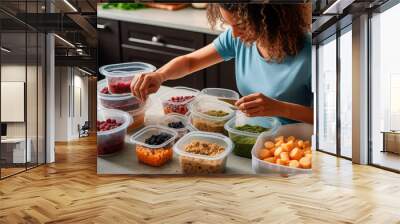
(146, 84)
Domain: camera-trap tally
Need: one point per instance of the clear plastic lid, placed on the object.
(221, 93)
(141, 136)
(174, 117)
(179, 91)
(216, 138)
(200, 106)
(241, 119)
(126, 69)
(118, 115)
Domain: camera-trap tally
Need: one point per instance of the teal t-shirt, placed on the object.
(289, 80)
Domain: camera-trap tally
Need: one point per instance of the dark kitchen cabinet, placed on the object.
(157, 46)
(108, 42)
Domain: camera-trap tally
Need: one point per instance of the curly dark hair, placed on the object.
(280, 28)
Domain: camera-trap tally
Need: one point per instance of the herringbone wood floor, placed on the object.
(69, 191)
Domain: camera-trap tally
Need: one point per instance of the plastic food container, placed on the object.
(204, 122)
(225, 95)
(300, 131)
(171, 103)
(120, 76)
(245, 139)
(112, 141)
(154, 155)
(125, 102)
(175, 117)
(191, 163)
(138, 116)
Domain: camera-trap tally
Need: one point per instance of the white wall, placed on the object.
(69, 82)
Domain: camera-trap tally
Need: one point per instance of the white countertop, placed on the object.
(185, 19)
(125, 161)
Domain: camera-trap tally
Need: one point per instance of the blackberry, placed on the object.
(176, 125)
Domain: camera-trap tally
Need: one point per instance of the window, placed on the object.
(327, 96)
(385, 88)
(346, 93)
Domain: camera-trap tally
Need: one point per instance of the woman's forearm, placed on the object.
(297, 112)
(176, 68)
(183, 65)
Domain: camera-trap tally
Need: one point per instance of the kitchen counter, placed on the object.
(125, 161)
(189, 19)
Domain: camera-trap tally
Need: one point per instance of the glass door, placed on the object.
(385, 89)
(345, 59)
(326, 100)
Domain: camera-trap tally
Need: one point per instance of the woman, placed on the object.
(272, 51)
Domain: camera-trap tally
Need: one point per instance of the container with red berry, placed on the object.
(177, 100)
(125, 102)
(120, 76)
(111, 130)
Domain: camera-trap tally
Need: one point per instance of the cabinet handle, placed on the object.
(101, 26)
(155, 41)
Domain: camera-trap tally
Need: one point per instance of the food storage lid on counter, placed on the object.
(222, 94)
(118, 115)
(179, 91)
(200, 106)
(216, 138)
(141, 136)
(272, 124)
(126, 69)
(174, 117)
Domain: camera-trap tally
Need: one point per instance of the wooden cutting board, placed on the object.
(171, 6)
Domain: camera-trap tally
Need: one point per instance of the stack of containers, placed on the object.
(114, 91)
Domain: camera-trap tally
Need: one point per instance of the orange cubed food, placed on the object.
(280, 162)
(294, 164)
(264, 153)
(307, 143)
(284, 147)
(290, 138)
(305, 162)
(290, 145)
(277, 151)
(284, 157)
(279, 139)
(153, 157)
(270, 159)
(300, 144)
(269, 144)
(296, 154)
(278, 143)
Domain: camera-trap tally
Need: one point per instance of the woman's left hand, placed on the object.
(257, 104)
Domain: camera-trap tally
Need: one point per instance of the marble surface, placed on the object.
(185, 19)
(125, 161)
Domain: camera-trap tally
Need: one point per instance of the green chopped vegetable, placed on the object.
(244, 144)
(123, 6)
(216, 113)
(251, 128)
